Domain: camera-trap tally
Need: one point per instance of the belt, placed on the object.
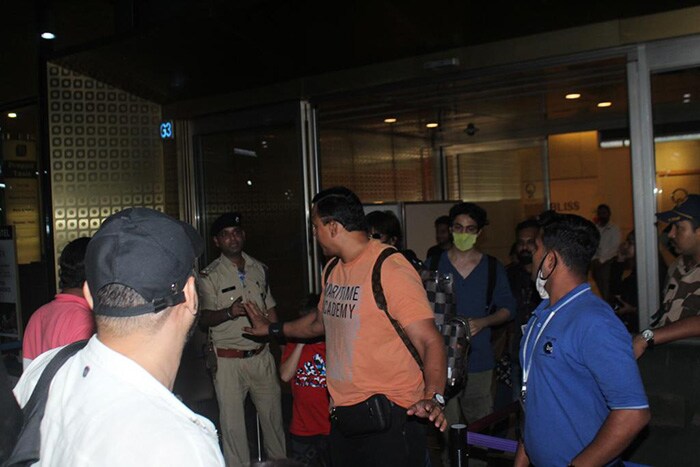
(235, 353)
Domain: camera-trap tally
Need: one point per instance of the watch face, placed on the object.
(439, 398)
(648, 334)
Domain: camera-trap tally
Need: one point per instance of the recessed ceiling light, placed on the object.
(431, 125)
(686, 95)
(390, 120)
(48, 36)
(12, 115)
(604, 104)
(573, 95)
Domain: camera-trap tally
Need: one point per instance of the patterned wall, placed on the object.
(106, 153)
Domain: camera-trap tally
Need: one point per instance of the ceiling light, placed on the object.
(49, 36)
(431, 125)
(573, 95)
(12, 115)
(686, 101)
(686, 95)
(604, 104)
(389, 120)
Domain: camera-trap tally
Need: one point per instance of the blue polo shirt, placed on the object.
(470, 295)
(582, 368)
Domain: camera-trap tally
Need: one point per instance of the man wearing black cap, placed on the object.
(681, 296)
(111, 404)
(243, 365)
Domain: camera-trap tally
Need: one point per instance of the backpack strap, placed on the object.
(491, 282)
(379, 297)
(28, 446)
(329, 269)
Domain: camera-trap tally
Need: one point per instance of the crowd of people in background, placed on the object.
(365, 361)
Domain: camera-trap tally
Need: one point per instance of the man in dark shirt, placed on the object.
(520, 272)
(443, 237)
(526, 298)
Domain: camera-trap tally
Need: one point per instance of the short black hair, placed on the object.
(71, 272)
(341, 205)
(573, 237)
(472, 210)
(443, 220)
(386, 223)
(604, 206)
(527, 224)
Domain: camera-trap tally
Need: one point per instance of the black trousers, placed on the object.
(403, 445)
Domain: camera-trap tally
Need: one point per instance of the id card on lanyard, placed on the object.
(527, 363)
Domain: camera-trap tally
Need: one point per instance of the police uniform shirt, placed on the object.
(221, 284)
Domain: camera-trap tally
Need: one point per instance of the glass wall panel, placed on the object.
(258, 172)
(676, 117)
(514, 141)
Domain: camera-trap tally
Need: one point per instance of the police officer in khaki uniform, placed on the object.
(244, 365)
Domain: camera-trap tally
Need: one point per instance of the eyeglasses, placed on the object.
(376, 236)
(459, 228)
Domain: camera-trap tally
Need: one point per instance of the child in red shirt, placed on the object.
(304, 365)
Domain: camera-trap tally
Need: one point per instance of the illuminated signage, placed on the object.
(167, 130)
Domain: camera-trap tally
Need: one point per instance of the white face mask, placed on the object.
(540, 280)
(539, 285)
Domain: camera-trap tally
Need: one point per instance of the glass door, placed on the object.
(253, 162)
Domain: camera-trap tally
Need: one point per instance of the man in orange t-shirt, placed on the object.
(365, 355)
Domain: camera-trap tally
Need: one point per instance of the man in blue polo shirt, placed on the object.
(583, 398)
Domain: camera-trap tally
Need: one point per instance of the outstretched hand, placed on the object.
(428, 408)
(261, 325)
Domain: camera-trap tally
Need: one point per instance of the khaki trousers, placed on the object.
(235, 378)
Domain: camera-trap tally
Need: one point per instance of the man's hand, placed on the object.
(476, 325)
(261, 325)
(237, 310)
(428, 408)
(639, 345)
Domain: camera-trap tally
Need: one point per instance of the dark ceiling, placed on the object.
(171, 50)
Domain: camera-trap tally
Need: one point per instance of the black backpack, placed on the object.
(21, 436)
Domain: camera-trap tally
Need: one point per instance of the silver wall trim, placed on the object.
(643, 183)
(187, 196)
(309, 138)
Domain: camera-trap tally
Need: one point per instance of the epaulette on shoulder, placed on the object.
(205, 272)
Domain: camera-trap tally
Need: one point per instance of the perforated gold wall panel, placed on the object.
(105, 151)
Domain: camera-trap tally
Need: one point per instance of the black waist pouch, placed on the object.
(370, 416)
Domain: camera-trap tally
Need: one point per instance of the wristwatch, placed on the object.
(648, 335)
(439, 399)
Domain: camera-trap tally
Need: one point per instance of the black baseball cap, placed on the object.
(688, 209)
(146, 250)
(229, 219)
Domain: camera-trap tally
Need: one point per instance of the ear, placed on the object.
(88, 295)
(333, 228)
(216, 241)
(550, 263)
(191, 298)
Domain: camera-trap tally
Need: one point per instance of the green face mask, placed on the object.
(464, 241)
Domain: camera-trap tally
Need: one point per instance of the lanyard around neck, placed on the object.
(528, 363)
